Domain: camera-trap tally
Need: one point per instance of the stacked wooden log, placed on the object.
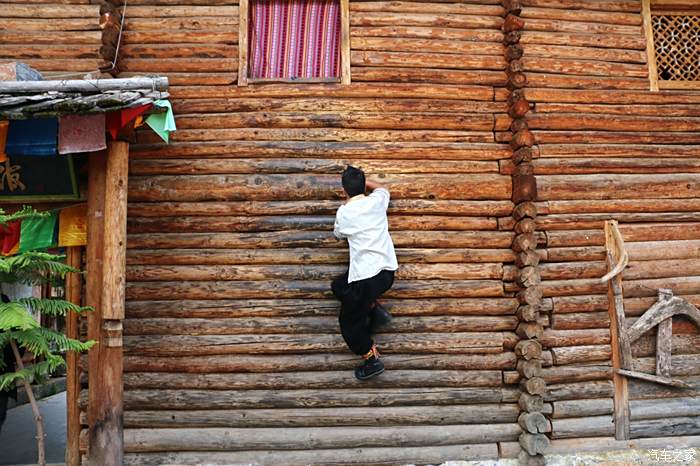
(533, 440)
(607, 148)
(231, 329)
(53, 37)
(111, 23)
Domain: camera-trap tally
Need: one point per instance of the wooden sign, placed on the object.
(29, 178)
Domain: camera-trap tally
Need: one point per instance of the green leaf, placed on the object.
(62, 342)
(5, 337)
(33, 372)
(24, 212)
(54, 307)
(14, 315)
(33, 268)
(8, 380)
(33, 340)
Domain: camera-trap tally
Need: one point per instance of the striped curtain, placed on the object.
(294, 39)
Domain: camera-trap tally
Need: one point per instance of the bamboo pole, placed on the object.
(73, 294)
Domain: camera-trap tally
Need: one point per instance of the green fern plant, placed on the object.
(19, 329)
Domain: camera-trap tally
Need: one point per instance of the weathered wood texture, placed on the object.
(608, 148)
(230, 252)
(61, 41)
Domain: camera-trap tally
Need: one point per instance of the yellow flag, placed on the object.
(72, 226)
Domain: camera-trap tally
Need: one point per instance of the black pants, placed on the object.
(356, 299)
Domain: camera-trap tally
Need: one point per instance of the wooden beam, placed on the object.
(674, 85)
(117, 172)
(666, 4)
(94, 86)
(621, 351)
(651, 50)
(665, 308)
(73, 294)
(344, 41)
(653, 378)
(664, 333)
(93, 290)
(243, 43)
(106, 368)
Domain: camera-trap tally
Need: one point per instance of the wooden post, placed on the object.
(73, 294)
(663, 348)
(93, 288)
(345, 41)
(620, 350)
(106, 401)
(243, 43)
(117, 172)
(651, 50)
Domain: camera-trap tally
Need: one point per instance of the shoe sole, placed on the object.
(370, 376)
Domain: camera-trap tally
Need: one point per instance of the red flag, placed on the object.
(10, 236)
(117, 120)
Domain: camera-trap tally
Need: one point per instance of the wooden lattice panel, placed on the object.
(677, 46)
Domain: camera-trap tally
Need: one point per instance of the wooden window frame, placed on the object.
(683, 7)
(244, 80)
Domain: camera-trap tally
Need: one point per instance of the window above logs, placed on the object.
(673, 43)
(294, 41)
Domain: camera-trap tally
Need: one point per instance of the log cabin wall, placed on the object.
(240, 207)
(61, 40)
(606, 147)
(232, 348)
(58, 39)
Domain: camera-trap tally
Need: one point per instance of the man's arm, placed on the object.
(372, 185)
(336, 229)
(378, 192)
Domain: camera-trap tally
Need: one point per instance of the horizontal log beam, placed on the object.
(431, 343)
(318, 239)
(259, 399)
(299, 187)
(332, 362)
(421, 454)
(306, 289)
(325, 417)
(306, 256)
(231, 439)
(593, 426)
(310, 307)
(582, 408)
(296, 325)
(309, 380)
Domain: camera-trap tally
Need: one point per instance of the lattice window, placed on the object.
(672, 29)
(677, 46)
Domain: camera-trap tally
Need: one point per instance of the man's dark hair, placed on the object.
(353, 181)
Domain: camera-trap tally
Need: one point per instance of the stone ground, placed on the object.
(638, 457)
(17, 437)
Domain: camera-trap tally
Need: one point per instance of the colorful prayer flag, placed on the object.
(117, 120)
(162, 123)
(10, 237)
(72, 226)
(32, 137)
(81, 133)
(37, 233)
